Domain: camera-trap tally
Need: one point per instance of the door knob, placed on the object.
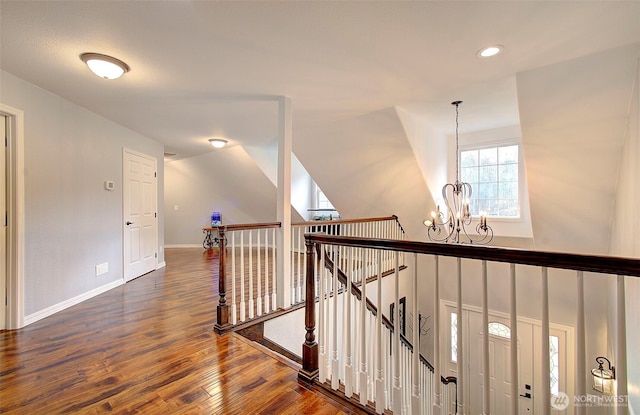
(128, 223)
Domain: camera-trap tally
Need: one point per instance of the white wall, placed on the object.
(226, 181)
(72, 223)
(625, 239)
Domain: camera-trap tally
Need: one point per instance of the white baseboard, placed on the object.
(39, 315)
(183, 246)
(161, 265)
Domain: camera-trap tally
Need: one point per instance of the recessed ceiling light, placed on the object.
(490, 51)
(105, 66)
(218, 142)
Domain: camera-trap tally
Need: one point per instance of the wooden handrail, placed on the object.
(247, 226)
(590, 263)
(343, 221)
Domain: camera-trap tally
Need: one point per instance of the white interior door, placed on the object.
(140, 217)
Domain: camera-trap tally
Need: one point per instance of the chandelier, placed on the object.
(451, 226)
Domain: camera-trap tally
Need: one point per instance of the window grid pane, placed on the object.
(493, 176)
(454, 337)
(500, 330)
(554, 365)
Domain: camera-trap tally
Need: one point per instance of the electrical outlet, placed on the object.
(102, 269)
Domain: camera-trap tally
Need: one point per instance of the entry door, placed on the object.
(140, 217)
(500, 374)
(499, 363)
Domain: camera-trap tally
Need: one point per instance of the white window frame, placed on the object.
(521, 173)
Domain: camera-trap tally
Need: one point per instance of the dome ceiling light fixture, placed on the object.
(218, 142)
(105, 66)
(490, 51)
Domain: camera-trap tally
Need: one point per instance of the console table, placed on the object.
(210, 237)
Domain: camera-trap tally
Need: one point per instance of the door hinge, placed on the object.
(156, 255)
(155, 174)
(155, 214)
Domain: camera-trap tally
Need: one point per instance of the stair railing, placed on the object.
(354, 354)
(247, 270)
(372, 371)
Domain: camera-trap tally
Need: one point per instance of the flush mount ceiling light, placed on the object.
(490, 51)
(218, 142)
(105, 66)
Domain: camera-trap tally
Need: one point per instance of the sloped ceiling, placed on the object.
(573, 146)
(368, 175)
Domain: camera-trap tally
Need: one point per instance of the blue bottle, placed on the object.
(216, 219)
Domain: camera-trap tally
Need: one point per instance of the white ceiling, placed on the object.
(207, 68)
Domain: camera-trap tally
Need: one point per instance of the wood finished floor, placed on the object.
(147, 348)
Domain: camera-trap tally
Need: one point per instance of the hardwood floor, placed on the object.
(147, 347)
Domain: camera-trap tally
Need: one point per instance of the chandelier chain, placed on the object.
(457, 148)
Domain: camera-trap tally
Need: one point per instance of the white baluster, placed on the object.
(322, 368)
(304, 266)
(486, 378)
(294, 277)
(298, 288)
(397, 391)
(581, 356)
(243, 315)
(380, 394)
(234, 278)
(259, 275)
(545, 375)
(363, 337)
(348, 370)
(335, 376)
(251, 303)
(515, 399)
(437, 371)
(274, 264)
(460, 345)
(621, 345)
(267, 306)
(415, 398)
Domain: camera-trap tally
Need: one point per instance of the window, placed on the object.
(494, 177)
(500, 330)
(454, 337)
(321, 200)
(324, 209)
(554, 368)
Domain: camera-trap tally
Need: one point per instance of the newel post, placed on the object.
(309, 369)
(222, 311)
